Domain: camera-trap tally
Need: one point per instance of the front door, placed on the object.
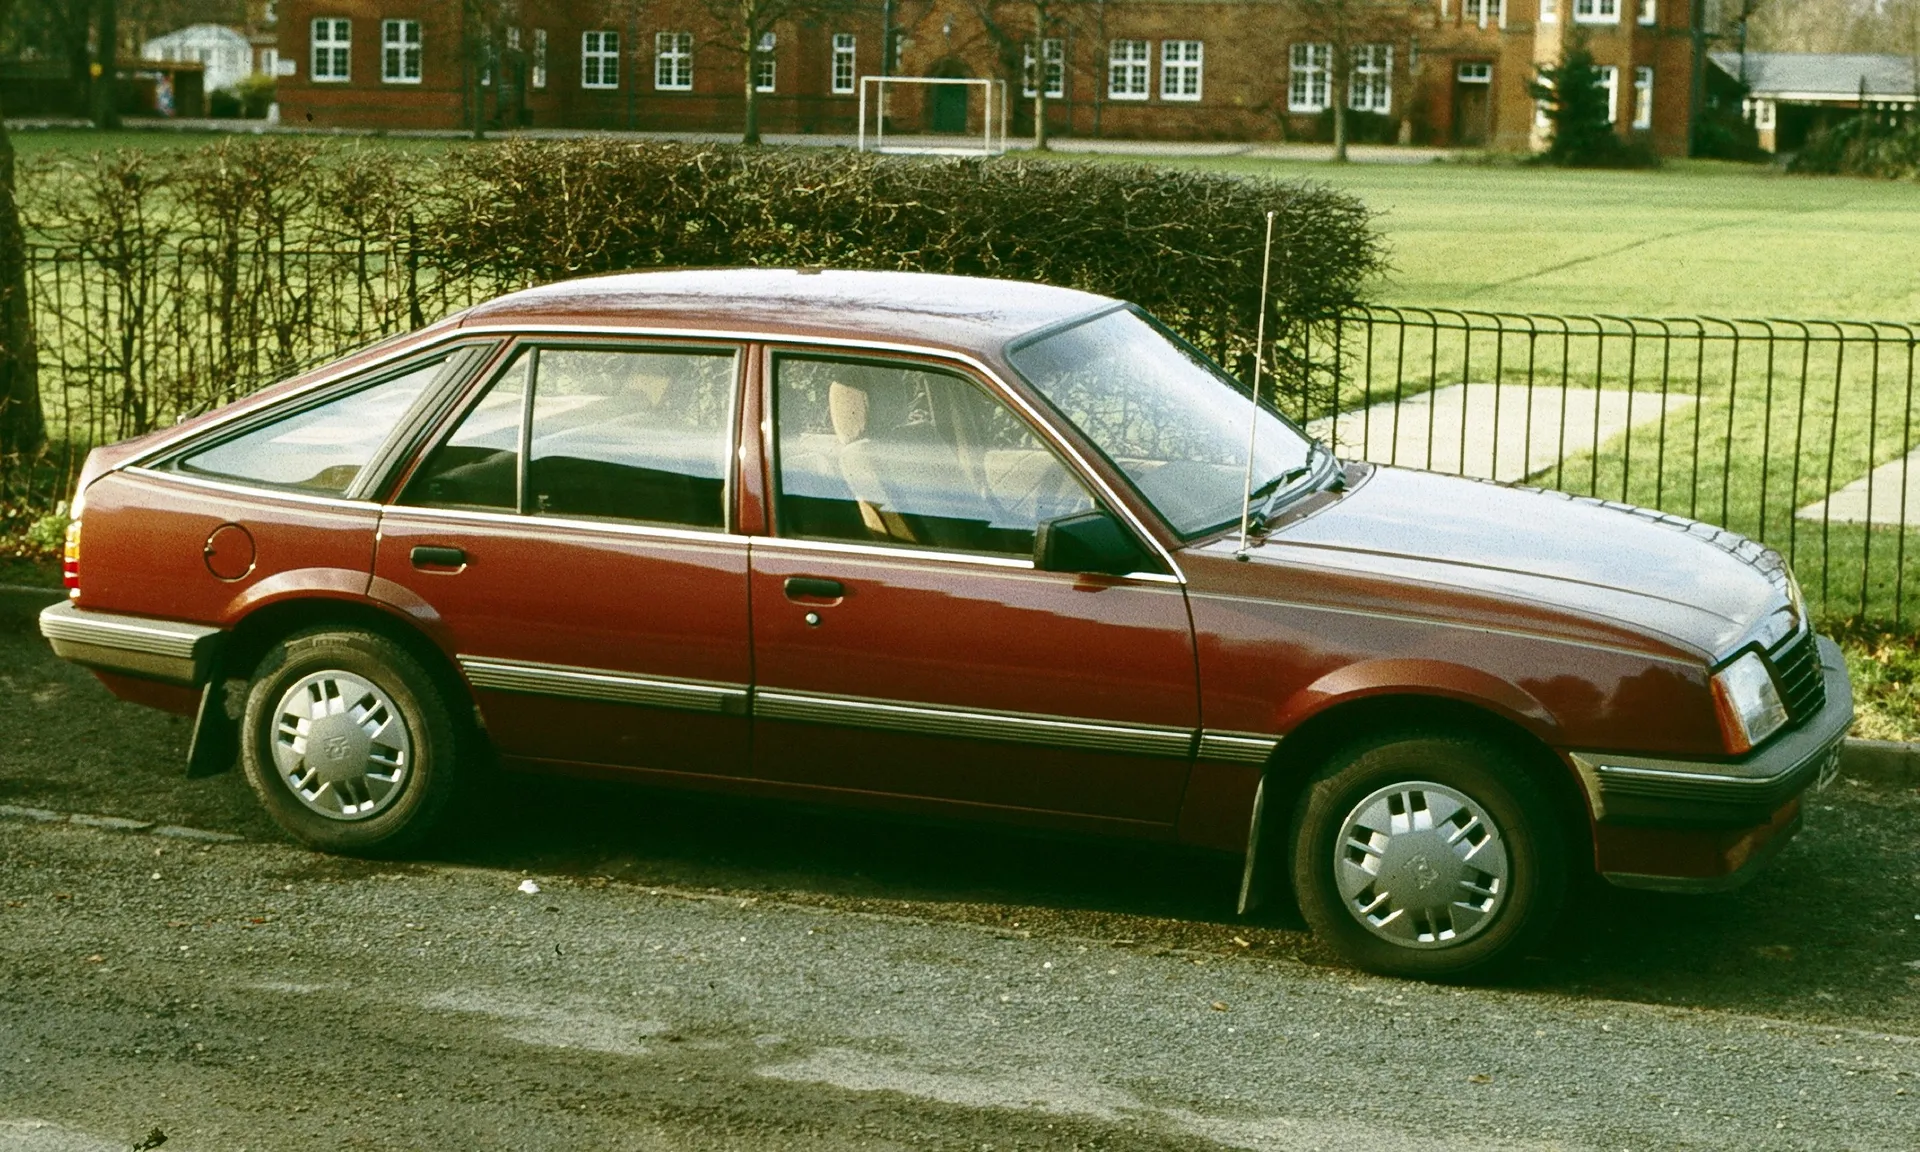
(1473, 103)
(947, 107)
(568, 541)
(904, 644)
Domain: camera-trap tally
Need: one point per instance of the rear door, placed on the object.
(569, 540)
(904, 644)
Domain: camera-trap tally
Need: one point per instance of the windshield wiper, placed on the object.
(1269, 493)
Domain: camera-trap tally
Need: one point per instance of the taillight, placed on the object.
(70, 560)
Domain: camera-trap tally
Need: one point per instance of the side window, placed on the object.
(479, 465)
(905, 455)
(631, 435)
(322, 448)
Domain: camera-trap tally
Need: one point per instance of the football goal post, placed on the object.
(991, 140)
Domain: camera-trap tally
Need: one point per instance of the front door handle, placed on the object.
(814, 588)
(435, 556)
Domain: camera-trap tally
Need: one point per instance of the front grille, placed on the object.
(1803, 683)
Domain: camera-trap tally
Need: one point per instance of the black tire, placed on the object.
(1485, 773)
(412, 809)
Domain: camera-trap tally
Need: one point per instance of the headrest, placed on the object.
(847, 407)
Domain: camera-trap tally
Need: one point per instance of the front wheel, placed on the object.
(349, 744)
(1429, 856)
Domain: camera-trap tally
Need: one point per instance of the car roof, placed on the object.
(966, 313)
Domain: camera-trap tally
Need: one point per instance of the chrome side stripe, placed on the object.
(861, 712)
(1236, 747)
(978, 724)
(612, 687)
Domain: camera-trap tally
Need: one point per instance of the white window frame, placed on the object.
(845, 70)
(1370, 78)
(1129, 69)
(1182, 69)
(600, 59)
(398, 50)
(1309, 77)
(537, 65)
(1610, 80)
(1649, 14)
(332, 49)
(1054, 50)
(1596, 11)
(1761, 112)
(1484, 12)
(1549, 11)
(766, 73)
(673, 61)
(1643, 96)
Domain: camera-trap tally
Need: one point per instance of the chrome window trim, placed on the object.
(881, 551)
(972, 723)
(1236, 747)
(769, 342)
(228, 486)
(616, 527)
(536, 679)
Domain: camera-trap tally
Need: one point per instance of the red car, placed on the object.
(957, 546)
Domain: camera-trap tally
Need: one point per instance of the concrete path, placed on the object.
(1880, 497)
(1512, 432)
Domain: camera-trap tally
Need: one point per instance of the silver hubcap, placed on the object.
(341, 746)
(1421, 865)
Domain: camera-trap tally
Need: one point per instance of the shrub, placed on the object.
(1185, 245)
(1862, 146)
(256, 93)
(1579, 134)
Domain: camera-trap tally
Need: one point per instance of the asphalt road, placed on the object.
(696, 973)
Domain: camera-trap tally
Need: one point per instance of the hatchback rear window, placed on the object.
(322, 448)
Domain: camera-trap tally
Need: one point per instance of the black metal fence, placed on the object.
(1799, 433)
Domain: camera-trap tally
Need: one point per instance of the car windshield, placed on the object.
(1166, 416)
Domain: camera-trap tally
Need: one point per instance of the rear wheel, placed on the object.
(1427, 855)
(349, 743)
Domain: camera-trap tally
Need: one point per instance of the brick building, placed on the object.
(1448, 72)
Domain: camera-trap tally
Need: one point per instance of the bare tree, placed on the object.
(23, 426)
(493, 61)
(746, 25)
(1019, 31)
(1347, 25)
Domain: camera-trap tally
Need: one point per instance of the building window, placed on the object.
(1761, 112)
(1128, 62)
(763, 64)
(1643, 97)
(332, 43)
(843, 62)
(1648, 14)
(1484, 12)
(1596, 11)
(1370, 85)
(1307, 77)
(1610, 80)
(599, 59)
(1549, 11)
(1180, 64)
(673, 61)
(1055, 52)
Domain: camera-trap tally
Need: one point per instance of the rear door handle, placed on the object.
(435, 556)
(814, 588)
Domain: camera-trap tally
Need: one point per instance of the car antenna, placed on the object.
(1253, 421)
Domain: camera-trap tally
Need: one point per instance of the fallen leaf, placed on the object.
(1219, 1005)
(96, 958)
(1479, 1078)
(1243, 943)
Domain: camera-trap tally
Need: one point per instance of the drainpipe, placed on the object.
(1697, 87)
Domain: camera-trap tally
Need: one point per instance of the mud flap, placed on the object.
(216, 735)
(1252, 885)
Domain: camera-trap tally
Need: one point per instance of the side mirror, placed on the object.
(1088, 542)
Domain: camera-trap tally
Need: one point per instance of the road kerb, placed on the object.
(1893, 762)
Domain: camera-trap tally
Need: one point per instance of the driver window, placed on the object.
(897, 454)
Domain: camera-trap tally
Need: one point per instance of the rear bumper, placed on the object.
(163, 650)
(1709, 825)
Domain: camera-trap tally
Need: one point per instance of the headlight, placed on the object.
(1749, 704)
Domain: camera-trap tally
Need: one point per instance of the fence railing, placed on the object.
(1799, 433)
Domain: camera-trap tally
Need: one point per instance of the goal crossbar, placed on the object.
(993, 123)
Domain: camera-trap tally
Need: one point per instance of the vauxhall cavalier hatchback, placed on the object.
(947, 545)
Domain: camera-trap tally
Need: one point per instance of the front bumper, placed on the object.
(164, 650)
(1691, 824)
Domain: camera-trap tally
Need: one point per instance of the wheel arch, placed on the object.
(267, 625)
